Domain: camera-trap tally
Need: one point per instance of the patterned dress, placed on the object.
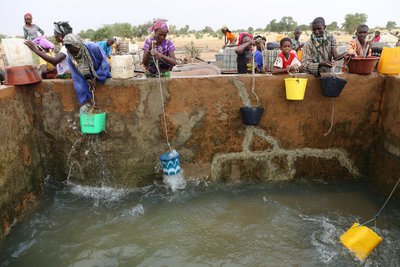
(164, 48)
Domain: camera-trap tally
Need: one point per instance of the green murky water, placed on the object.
(276, 224)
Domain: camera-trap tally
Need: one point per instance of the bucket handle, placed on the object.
(294, 73)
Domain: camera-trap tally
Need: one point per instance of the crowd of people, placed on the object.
(88, 63)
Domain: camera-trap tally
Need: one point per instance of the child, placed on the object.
(48, 70)
(287, 59)
(244, 53)
(357, 47)
(31, 30)
(230, 38)
(258, 54)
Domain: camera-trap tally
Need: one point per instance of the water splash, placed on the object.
(176, 181)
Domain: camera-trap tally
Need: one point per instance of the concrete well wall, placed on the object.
(41, 135)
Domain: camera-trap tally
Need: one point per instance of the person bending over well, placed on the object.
(88, 64)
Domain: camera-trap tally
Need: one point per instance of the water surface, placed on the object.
(275, 224)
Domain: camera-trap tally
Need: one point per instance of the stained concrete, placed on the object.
(41, 135)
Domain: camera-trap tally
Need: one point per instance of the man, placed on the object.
(106, 46)
(320, 53)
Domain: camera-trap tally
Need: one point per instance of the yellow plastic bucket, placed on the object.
(295, 88)
(361, 240)
(389, 62)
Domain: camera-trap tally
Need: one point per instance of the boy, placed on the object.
(287, 59)
(358, 47)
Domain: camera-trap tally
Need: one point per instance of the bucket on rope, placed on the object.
(332, 86)
(360, 240)
(251, 115)
(170, 162)
(93, 123)
(295, 88)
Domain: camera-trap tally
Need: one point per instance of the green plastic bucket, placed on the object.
(93, 123)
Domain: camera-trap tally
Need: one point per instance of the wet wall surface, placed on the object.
(42, 138)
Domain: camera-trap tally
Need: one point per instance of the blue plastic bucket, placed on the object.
(170, 163)
(251, 115)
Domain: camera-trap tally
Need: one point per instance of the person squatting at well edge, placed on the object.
(31, 30)
(158, 49)
(88, 64)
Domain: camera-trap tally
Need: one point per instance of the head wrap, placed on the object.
(83, 60)
(27, 15)
(159, 24)
(43, 43)
(62, 27)
(242, 35)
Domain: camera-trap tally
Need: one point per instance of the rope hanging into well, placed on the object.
(383, 206)
(161, 95)
(333, 112)
(253, 80)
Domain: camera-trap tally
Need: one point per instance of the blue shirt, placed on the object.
(101, 66)
(258, 58)
(103, 45)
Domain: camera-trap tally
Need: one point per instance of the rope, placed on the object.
(253, 79)
(333, 112)
(161, 95)
(383, 206)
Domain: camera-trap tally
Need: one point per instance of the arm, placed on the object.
(39, 30)
(25, 33)
(239, 50)
(53, 60)
(170, 59)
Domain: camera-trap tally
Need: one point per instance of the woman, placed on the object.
(320, 52)
(244, 53)
(159, 51)
(88, 64)
(31, 30)
(61, 29)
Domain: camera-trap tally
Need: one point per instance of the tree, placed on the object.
(304, 27)
(184, 30)
(207, 29)
(287, 24)
(88, 34)
(352, 21)
(333, 26)
(250, 30)
(272, 26)
(391, 25)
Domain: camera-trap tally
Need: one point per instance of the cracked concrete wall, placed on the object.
(42, 137)
(385, 162)
(21, 171)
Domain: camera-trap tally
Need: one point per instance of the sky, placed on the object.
(89, 14)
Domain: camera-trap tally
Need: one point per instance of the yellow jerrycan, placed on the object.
(360, 240)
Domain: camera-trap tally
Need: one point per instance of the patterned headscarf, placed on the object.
(27, 15)
(83, 60)
(242, 35)
(62, 27)
(43, 43)
(159, 24)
